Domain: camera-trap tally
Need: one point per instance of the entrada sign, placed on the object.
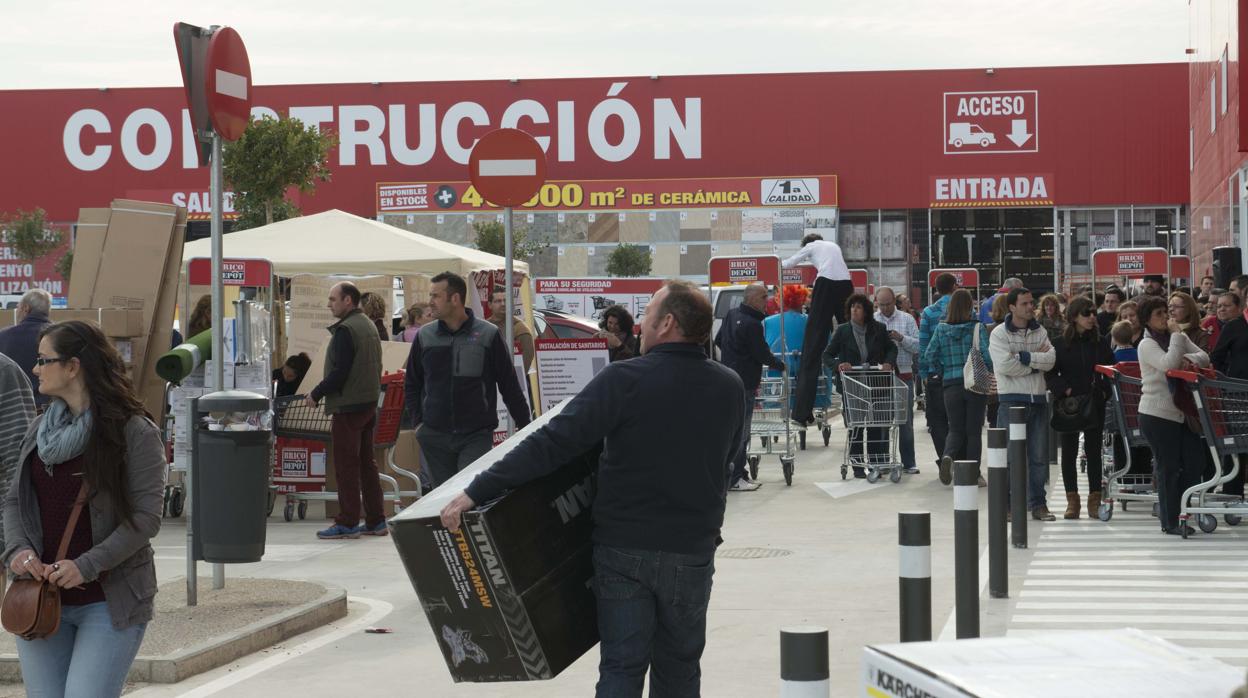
(1017, 190)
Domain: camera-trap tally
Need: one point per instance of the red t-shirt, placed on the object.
(56, 494)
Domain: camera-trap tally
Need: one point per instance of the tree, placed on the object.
(28, 234)
(272, 156)
(489, 238)
(629, 260)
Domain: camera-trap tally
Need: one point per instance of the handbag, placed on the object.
(1077, 413)
(975, 374)
(32, 607)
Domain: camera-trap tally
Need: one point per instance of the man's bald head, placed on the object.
(755, 296)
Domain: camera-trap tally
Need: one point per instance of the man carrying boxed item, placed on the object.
(658, 511)
(21, 341)
(457, 367)
(351, 388)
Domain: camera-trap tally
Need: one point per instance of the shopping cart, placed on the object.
(769, 425)
(827, 404)
(873, 403)
(1124, 407)
(294, 419)
(1221, 405)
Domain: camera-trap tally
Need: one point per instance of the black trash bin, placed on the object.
(230, 469)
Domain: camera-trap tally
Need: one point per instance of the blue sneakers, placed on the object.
(378, 530)
(339, 531)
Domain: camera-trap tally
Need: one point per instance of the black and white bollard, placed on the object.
(998, 504)
(1018, 476)
(966, 547)
(914, 541)
(804, 662)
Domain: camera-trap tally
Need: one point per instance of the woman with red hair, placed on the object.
(795, 298)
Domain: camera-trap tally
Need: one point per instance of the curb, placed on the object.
(216, 652)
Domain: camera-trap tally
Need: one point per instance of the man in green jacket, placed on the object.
(351, 387)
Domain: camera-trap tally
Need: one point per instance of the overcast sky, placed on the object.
(122, 43)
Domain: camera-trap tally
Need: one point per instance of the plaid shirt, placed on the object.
(951, 344)
(932, 316)
(903, 324)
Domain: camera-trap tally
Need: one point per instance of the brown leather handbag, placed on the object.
(32, 607)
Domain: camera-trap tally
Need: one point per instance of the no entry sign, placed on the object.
(228, 76)
(507, 167)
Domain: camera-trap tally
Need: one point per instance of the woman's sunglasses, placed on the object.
(41, 361)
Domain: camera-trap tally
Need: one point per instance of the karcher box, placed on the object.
(508, 595)
(1124, 662)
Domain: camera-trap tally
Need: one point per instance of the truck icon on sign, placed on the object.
(961, 133)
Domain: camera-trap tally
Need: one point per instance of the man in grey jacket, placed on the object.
(17, 411)
(1021, 353)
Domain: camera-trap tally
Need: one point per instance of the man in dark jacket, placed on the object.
(743, 348)
(21, 341)
(657, 511)
(862, 341)
(351, 387)
(457, 367)
(1230, 356)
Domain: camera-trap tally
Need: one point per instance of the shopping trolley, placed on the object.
(873, 399)
(1221, 405)
(1124, 407)
(769, 425)
(294, 419)
(827, 403)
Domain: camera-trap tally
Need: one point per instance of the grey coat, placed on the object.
(121, 555)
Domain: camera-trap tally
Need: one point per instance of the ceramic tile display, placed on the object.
(574, 230)
(598, 256)
(574, 261)
(725, 225)
(455, 230)
(695, 259)
(544, 263)
(698, 218)
(604, 228)
(725, 249)
(425, 224)
(665, 227)
(756, 226)
(788, 224)
(635, 227)
(666, 261)
(820, 218)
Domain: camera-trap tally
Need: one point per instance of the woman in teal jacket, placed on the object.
(947, 353)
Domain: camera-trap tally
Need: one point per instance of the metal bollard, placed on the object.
(1018, 476)
(966, 547)
(998, 503)
(914, 540)
(804, 662)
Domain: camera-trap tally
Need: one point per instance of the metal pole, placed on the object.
(192, 567)
(1018, 476)
(509, 321)
(966, 547)
(998, 504)
(914, 544)
(218, 301)
(804, 662)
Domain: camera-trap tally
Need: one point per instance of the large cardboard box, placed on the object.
(88, 252)
(508, 596)
(1125, 662)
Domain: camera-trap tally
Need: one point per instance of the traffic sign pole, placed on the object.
(218, 299)
(508, 322)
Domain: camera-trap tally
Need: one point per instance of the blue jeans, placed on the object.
(86, 656)
(905, 433)
(651, 615)
(1037, 422)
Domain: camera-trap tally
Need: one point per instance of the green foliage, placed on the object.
(27, 233)
(489, 238)
(66, 264)
(629, 260)
(272, 156)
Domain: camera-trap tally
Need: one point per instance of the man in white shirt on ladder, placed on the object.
(832, 288)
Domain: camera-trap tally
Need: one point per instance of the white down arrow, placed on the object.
(1018, 133)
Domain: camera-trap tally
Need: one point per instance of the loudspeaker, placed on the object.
(1226, 266)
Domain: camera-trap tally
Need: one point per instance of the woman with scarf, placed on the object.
(1079, 350)
(862, 341)
(947, 352)
(96, 447)
(1180, 452)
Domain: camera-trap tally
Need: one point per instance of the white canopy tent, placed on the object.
(336, 242)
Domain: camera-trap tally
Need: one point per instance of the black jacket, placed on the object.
(842, 348)
(743, 348)
(1074, 366)
(454, 378)
(670, 422)
(21, 343)
(1231, 354)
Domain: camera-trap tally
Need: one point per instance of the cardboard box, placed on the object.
(115, 322)
(1124, 662)
(88, 251)
(508, 596)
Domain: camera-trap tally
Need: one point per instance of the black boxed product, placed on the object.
(509, 595)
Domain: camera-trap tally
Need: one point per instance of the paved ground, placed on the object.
(829, 558)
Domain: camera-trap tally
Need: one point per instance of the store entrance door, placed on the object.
(1001, 243)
